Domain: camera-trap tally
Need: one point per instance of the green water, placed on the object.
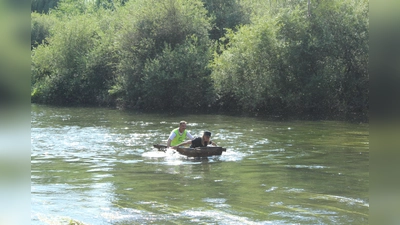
(98, 166)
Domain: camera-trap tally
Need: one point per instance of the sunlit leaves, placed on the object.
(156, 45)
(290, 62)
(282, 57)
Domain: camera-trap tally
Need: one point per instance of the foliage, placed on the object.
(43, 6)
(71, 8)
(345, 29)
(241, 73)
(270, 57)
(295, 64)
(75, 66)
(178, 78)
(152, 29)
(227, 14)
(40, 28)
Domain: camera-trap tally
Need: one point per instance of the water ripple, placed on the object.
(99, 167)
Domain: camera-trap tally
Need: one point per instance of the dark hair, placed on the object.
(207, 133)
(182, 122)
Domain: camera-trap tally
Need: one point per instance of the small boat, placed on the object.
(195, 152)
(201, 151)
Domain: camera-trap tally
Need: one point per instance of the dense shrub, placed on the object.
(279, 57)
(76, 66)
(40, 28)
(293, 63)
(178, 78)
(154, 31)
(226, 14)
(43, 6)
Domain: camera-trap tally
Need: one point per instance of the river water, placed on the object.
(98, 166)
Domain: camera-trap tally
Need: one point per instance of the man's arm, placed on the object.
(171, 136)
(189, 135)
(183, 143)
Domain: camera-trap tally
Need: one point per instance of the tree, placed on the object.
(178, 78)
(76, 66)
(243, 71)
(41, 25)
(154, 31)
(227, 14)
(43, 6)
(289, 62)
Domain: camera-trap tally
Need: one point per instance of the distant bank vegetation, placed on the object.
(267, 57)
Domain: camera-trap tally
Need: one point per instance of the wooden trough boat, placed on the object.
(201, 152)
(195, 152)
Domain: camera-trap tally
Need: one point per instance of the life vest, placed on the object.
(178, 137)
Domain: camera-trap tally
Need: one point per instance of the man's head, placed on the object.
(182, 126)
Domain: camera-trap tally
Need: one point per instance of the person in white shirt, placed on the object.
(178, 135)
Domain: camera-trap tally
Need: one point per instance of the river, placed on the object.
(97, 166)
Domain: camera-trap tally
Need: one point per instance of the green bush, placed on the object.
(76, 66)
(41, 25)
(279, 57)
(43, 6)
(226, 14)
(178, 78)
(150, 30)
(291, 63)
(341, 31)
(243, 72)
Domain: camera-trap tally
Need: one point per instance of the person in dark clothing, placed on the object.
(199, 142)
